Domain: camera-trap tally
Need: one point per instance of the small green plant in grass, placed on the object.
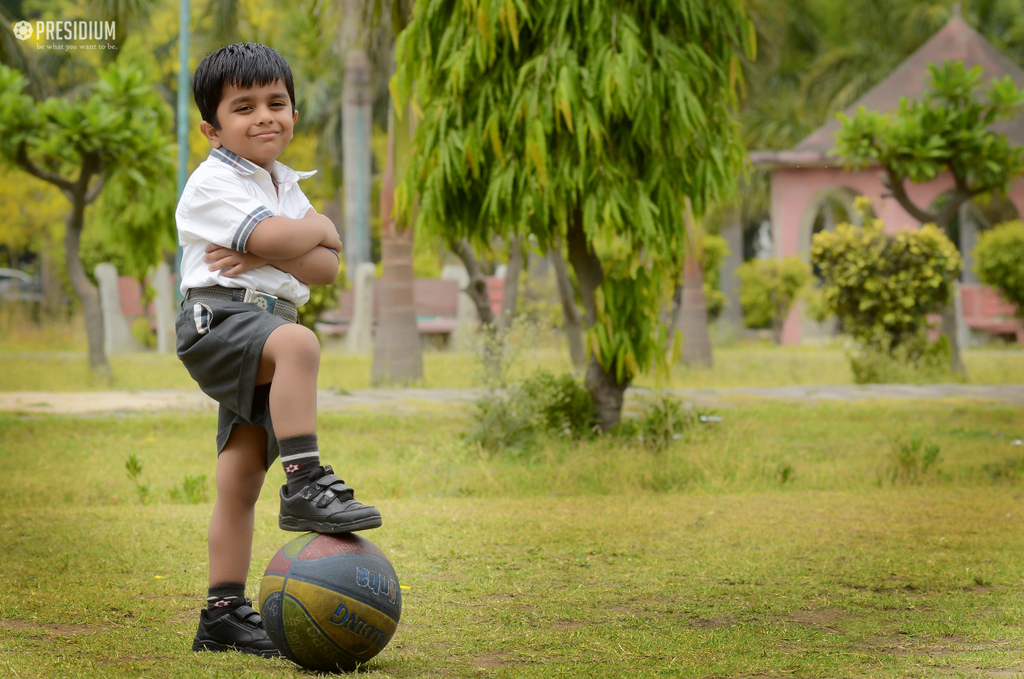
(192, 490)
(134, 468)
(1009, 470)
(911, 460)
(913, 363)
(665, 420)
(511, 416)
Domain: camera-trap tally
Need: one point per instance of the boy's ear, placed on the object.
(295, 116)
(211, 133)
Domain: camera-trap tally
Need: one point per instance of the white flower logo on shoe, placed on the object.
(23, 30)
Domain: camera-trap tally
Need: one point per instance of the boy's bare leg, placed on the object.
(230, 623)
(290, 363)
(313, 499)
(241, 469)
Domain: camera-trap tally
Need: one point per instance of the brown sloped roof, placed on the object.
(956, 41)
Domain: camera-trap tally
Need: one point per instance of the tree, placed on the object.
(585, 123)
(114, 133)
(948, 130)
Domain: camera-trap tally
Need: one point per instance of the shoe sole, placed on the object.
(309, 526)
(199, 646)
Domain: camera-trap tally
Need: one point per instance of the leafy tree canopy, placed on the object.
(591, 114)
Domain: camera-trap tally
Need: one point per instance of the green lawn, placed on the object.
(743, 366)
(776, 544)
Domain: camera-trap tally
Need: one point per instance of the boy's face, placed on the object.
(256, 122)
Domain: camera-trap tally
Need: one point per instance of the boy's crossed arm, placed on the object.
(306, 248)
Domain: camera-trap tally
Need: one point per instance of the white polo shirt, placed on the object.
(223, 201)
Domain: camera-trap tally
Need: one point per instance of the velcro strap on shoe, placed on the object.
(249, 614)
(335, 487)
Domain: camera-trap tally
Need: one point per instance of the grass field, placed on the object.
(785, 541)
(744, 366)
(51, 357)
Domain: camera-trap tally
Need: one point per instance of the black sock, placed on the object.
(223, 597)
(299, 455)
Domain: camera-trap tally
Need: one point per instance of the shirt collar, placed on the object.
(281, 173)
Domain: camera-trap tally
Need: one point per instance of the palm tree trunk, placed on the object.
(397, 352)
(692, 313)
(692, 316)
(606, 390)
(571, 320)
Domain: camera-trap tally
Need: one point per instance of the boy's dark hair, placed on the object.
(243, 64)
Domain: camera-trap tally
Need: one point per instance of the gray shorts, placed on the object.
(220, 343)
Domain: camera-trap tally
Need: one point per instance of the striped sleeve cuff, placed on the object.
(247, 225)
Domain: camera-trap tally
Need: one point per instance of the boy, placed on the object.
(251, 244)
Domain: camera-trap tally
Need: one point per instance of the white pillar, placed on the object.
(166, 309)
(117, 334)
(466, 314)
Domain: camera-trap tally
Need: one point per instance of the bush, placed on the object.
(768, 288)
(914, 363)
(882, 286)
(663, 421)
(999, 261)
(511, 417)
(716, 249)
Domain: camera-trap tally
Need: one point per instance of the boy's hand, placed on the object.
(331, 238)
(230, 262)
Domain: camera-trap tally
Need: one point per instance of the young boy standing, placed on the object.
(251, 245)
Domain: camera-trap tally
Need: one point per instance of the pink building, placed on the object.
(811, 190)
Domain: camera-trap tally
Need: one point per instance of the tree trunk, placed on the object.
(692, 315)
(510, 296)
(477, 288)
(477, 291)
(570, 312)
(605, 389)
(397, 352)
(86, 292)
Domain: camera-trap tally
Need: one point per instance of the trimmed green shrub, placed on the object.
(883, 286)
(999, 261)
(768, 288)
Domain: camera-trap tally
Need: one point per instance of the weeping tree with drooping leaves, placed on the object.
(585, 123)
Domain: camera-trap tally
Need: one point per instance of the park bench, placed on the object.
(986, 311)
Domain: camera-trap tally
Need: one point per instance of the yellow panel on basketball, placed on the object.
(353, 625)
(270, 584)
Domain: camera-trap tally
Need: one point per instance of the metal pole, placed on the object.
(183, 90)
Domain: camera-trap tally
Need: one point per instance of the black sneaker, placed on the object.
(241, 629)
(326, 505)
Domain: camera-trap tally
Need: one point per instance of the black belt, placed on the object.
(274, 305)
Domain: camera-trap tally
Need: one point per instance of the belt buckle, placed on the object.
(260, 299)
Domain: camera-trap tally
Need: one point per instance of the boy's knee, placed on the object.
(296, 341)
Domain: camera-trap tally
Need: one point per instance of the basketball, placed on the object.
(330, 602)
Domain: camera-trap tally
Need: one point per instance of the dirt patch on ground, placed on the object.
(826, 618)
(56, 629)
